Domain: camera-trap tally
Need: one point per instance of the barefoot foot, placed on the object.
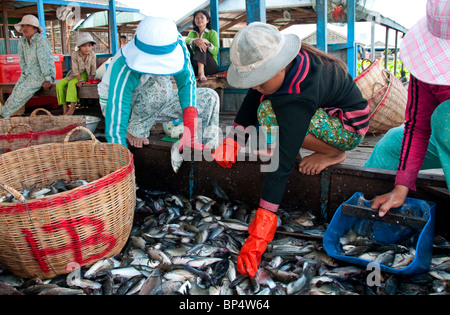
(70, 110)
(315, 163)
(137, 142)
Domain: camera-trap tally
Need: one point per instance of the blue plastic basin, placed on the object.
(384, 233)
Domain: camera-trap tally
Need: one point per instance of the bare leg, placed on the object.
(65, 108)
(71, 109)
(137, 142)
(324, 156)
(201, 72)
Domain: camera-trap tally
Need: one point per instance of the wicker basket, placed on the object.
(49, 236)
(20, 132)
(386, 96)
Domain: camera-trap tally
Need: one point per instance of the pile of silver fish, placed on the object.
(189, 246)
(396, 256)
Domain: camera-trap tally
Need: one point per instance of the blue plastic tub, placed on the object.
(384, 233)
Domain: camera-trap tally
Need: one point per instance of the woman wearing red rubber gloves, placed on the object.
(312, 100)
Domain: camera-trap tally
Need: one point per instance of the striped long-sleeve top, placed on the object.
(119, 83)
(423, 98)
(308, 85)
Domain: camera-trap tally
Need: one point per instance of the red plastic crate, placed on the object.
(10, 67)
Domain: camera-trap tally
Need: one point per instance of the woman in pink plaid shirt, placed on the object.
(424, 141)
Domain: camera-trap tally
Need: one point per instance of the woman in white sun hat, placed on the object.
(312, 100)
(36, 63)
(424, 141)
(136, 90)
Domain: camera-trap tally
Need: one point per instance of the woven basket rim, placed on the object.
(12, 207)
(366, 71)
(67, 196)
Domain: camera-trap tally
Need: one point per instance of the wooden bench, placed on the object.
(87, 91)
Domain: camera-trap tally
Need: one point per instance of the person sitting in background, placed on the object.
(122, 41)
(84, 66)
(423, 141)
(36, 63)
(203, 44)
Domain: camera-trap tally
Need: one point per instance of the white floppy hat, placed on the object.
(84, 38)
(425, 49)
(28, 19)
(155, 48)
(258, 52)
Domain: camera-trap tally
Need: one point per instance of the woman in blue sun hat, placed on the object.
(136, 90)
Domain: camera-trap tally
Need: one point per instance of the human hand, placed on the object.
(46, 85)
(393, 199)
(81, 83)
(202, 44)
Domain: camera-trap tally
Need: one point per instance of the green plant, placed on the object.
(390, 68)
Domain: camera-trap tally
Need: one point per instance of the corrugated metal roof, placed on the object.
(281, 13)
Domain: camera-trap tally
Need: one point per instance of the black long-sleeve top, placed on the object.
(308, 85)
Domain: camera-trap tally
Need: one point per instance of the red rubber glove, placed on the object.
(226, 153)
(189, 136)
(261, 230)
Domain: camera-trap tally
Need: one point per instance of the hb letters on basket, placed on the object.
(75, 245)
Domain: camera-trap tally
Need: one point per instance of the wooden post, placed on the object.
(5, 28)
(65, 50)
(53, 36)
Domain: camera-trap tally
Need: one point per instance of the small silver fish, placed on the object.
(76, 183)
(104, 264)
(27, 190)
(386, 258)
(40, 193)
(176, 158)
(234, 224)
(125, 273)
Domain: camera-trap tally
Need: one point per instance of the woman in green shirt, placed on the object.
(203, 44)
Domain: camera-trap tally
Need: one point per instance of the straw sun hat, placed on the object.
(28, 19)
(425, 49)
(156, 48)
(258, 52)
